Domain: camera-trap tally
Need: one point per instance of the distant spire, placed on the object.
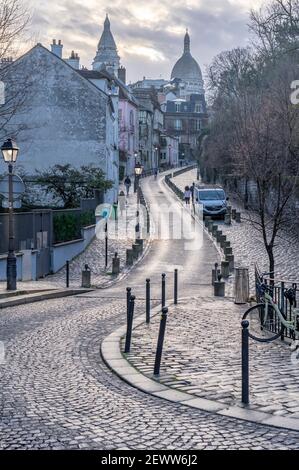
(107, 22)
(187, 42)
(107, 52)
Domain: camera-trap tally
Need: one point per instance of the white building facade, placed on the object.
(67, 118)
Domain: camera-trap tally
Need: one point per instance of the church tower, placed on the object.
(188, 71)
(107, 56)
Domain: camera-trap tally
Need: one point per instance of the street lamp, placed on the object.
(10, 154)
(183, 158)
(138, 173)
(157, 157)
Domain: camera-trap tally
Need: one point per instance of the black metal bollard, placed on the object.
(129, 290)
(148, 301)
(160, 341)
(282, 307)
(106, 245)
(245, 362)
(163, 290)
(130, 324)
(176, 284)
(148, 228)
(67, 274)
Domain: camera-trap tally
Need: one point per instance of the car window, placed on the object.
(211, 195)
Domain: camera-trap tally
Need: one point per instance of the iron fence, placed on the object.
(277, 290)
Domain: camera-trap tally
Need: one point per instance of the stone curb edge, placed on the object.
(117, 363)
(41, 296)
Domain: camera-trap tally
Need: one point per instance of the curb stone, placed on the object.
(41, 296)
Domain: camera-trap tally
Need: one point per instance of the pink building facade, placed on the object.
(128, 132)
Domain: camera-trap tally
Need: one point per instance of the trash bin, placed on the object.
(241, 285)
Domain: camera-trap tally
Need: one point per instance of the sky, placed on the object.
(149, 34)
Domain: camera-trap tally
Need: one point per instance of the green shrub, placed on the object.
(67, 227)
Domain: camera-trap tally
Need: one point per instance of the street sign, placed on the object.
(104, 211)
(17, 204)
(18, 187)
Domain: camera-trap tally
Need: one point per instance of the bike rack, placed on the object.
(245, 358)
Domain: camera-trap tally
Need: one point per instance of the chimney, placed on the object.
(56, 48)
(74, 61)
(122, 74)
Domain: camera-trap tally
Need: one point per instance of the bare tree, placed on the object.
(14, 19)
(254, 131)
(276, 28)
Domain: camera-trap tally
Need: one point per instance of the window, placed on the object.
(198, 108)
(212, 195)
(142, 117)
(177, 107)
(131, 118)
(197, 125)
(178, 124)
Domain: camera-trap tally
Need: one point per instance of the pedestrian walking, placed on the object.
(156, 173)
(128, 184)
(122, 202)
(187, 195)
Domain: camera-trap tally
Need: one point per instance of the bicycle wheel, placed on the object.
(263, 329)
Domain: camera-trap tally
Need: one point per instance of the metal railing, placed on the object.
(277, 290)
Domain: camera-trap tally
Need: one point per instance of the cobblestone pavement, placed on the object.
(248, 246)
(202, 356)
(56, 393)
(94, 256)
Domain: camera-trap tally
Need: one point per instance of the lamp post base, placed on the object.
(11, 272)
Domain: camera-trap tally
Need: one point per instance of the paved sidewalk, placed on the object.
(202, 356)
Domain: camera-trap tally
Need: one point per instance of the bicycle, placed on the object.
(267, 322)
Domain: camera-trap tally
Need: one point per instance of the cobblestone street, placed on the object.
(57, 393)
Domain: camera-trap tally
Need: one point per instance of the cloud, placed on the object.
(149, 34)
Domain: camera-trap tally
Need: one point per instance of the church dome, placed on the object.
(186, 68)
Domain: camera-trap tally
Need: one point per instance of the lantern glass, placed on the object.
(10, 151)
(138, 169)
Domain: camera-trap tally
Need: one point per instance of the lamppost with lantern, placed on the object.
(138, 173)
(10, 154)
(183, 158)
(136, 156)
(157, 157)
(169, 148)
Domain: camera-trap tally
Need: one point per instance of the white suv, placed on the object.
(213, 200)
